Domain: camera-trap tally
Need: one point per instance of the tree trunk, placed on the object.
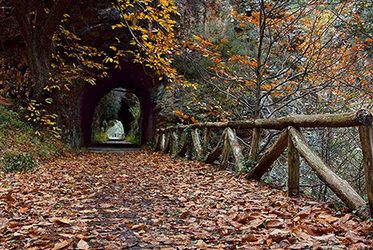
(39, 57)
(38, 21)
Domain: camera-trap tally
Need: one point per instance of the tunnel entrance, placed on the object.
(117, 119)
(130, 106)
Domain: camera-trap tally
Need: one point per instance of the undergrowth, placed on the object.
(20, 147)
(132, 138)
(18, 162)
(100, 137)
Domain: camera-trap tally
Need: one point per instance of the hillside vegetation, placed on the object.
(19, 143)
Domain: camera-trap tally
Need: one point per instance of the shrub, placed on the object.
(150, 145)
(132, 138)
(100, 137)
(248, 165)
(10, 119)
(18, 162)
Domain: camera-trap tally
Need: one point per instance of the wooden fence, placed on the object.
(182, 140)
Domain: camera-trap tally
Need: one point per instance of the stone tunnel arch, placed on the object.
(131, 77)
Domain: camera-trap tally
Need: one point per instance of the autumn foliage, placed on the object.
(271, 56)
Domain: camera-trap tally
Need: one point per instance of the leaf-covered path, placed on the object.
(145, 200)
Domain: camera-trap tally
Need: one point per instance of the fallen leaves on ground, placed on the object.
(146, 200)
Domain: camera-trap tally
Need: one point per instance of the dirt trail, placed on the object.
(145, 200)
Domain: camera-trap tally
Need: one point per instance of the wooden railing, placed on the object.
(186, 140)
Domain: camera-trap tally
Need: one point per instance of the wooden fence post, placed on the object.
(225, 153)
(293, 169)
(157, 142)
(269, 157)
(255, 139)
(236, 149)
(185, 143)
(339, 186)
(206, 139)
(162, 142)
(175, 143)
(197, 143)
(366, 137)
(167, 142)
(216, 151)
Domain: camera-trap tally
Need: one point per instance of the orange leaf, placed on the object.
(62, 244)
(61, 220)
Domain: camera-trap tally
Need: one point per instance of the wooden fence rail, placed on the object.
(186, 140)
